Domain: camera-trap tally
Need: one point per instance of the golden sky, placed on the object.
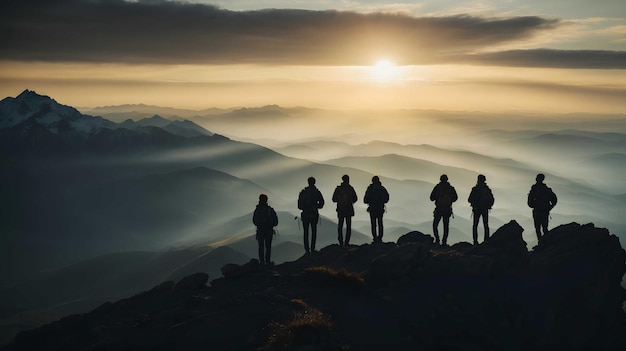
(456, 56)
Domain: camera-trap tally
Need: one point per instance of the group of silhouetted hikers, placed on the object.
(310, 200)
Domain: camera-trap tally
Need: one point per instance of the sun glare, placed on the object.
(385, 70)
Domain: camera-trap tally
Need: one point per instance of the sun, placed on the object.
(385, 70)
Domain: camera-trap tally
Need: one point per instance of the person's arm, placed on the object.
(433, 194)
(320, 200)
(274, 217)
(255, 217)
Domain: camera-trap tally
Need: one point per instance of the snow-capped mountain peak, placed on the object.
(46, 111)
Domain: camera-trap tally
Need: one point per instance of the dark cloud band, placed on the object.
(157, 31)
(590, 59)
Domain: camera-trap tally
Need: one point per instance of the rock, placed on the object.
(506, 246)
(416, 237)
(572, 287)
(397, 264)
(565, 294)
(231, 270)
(193, 282)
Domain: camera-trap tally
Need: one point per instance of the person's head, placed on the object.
(375, 179)
(540, 178)
(443, 178)
(481, 179)
(311, 181)
(346, 178)
(262, 199)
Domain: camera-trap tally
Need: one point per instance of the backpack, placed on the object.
(344, 198)
(486, 199)
(376, 195)
(308, 200)
(541, 197)
(266, 217)
(446, 197)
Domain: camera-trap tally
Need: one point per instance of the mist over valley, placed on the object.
(106, 202)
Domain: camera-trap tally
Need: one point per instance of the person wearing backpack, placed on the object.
(310, 201)
(376, 196)
(345, 197)
(265, 219)
(542, 200)
(444, 195)
(481, 199)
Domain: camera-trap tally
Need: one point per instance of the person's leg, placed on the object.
(348, 230)
(268, 248)
(381, 228)
(476, 215)
(340, 230)
(486, 224)
(446, 229)
(537, 223)
(373, 224)
(544, 222)
(261, 249)
(305, 225)
(436, 219)
(314, 232)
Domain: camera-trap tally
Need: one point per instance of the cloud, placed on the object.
(589, 59)
(158, 31)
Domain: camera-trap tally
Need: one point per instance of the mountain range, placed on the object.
(155, 197)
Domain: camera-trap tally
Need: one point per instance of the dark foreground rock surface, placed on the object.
(564, 294)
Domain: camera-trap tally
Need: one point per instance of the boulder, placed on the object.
(193, 282)
(232, 271)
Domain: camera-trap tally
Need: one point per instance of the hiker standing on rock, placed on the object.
(542, 200)
(481, 199)
(310, 201)
(444, 195)
(376, 196)
(345, 197)
(265, 220)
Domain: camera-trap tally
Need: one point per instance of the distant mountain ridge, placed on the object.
(150, 184)
(44, 110)
(35, 122)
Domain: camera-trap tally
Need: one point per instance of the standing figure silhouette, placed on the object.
(542, 200)
(481, 199)
(345, 197)
(444, 195)
(376, 196)
(265, 219)
(310, 200)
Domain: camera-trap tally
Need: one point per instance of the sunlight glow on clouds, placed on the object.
(493, 55)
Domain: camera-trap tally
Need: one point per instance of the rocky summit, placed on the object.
(565, 293)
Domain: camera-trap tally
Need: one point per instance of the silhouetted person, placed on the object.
(481, 199)
(345, 197)
(376, 196)
(310, 201)
(444, 195)
(265, 220)
(542, 200)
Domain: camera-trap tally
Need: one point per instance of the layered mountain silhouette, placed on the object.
(564, 294)
(157, 197)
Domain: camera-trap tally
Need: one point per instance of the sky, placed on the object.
(557, 56)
